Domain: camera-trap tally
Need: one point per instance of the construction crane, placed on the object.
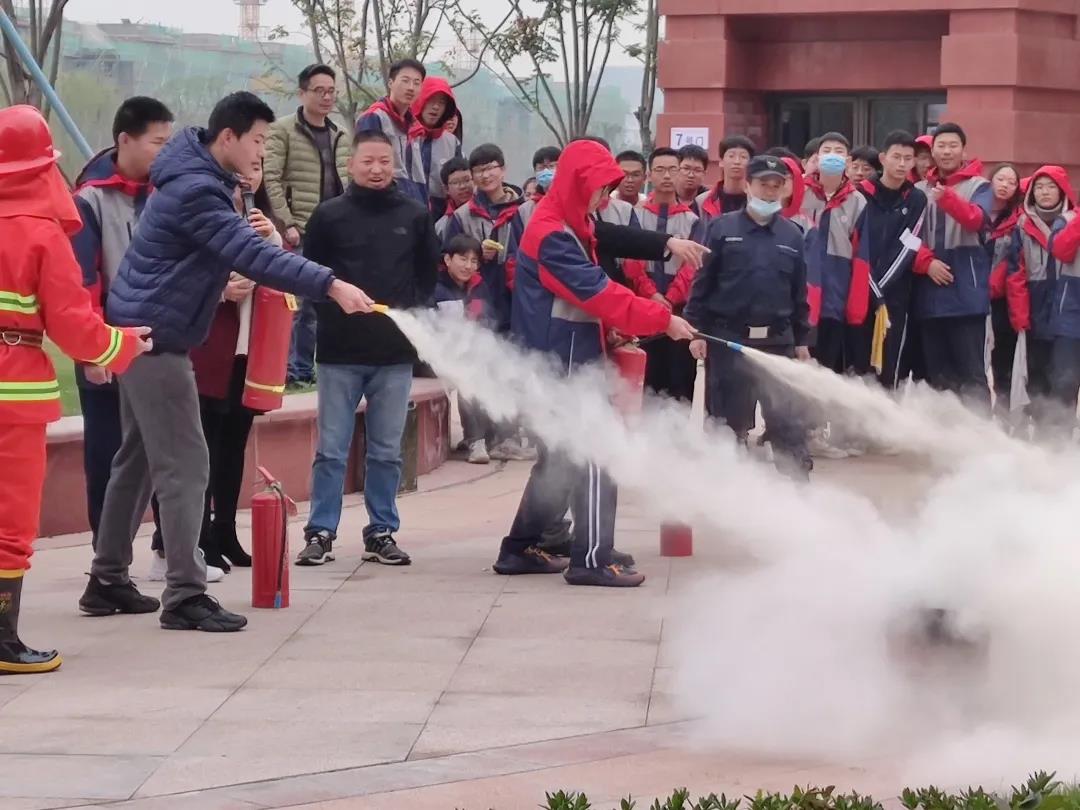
(250, 12)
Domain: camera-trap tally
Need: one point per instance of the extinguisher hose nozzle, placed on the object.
(380, 308)
(731, 344)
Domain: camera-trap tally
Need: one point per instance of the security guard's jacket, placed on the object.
(956, 228)
(753, 287)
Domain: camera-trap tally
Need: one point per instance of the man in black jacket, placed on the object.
(376, 233)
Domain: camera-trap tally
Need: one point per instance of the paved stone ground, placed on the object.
(440, 685)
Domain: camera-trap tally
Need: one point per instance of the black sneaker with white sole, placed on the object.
(203, 613)
(382, 548)
(318, 550)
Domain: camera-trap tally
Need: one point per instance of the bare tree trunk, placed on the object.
(54, 67)
(644, 113)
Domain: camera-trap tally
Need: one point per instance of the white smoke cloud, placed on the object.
(808, 650)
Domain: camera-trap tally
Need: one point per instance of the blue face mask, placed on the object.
(832, 164)
(544, 178)
(762, 208)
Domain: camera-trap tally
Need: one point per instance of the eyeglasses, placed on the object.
(490, 168)
(663, 171)
(323, 92)
(690, 171)
(460, 183)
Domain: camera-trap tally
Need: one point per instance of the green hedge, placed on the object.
(1039, 791)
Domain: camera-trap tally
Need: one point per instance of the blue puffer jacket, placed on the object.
(188, 240)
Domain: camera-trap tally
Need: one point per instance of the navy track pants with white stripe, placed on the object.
(556, 479)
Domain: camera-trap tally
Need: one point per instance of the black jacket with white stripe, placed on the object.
(889, 229)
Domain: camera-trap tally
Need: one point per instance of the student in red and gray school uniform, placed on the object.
(434, 145)
(392, 116)
(461, 289)
(693, 163)
(830, 210)
(633, 167)
(1065, 320)
(729, 194)
(670, 370)
(952, 298)
(110, 193)
(488, 218)
(1005, 210)
(564, 305)
(457, 179)
(924, 158)
(889, 238)
(794, 187)
(1039, 296)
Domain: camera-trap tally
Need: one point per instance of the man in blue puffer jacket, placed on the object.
(189, 239)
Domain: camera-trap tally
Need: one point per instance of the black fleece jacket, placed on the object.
(383, 242)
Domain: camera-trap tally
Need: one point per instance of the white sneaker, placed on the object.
(213, 573)
(820, 448)
(478, 453)
(157, 567)
(512, 450)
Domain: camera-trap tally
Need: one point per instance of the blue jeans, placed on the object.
(302, 346)
(341, 387)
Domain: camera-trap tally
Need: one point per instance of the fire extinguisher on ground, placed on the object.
(676, 539)
(270, 511)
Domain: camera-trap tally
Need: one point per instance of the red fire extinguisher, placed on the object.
(270, 511)
(268, 356)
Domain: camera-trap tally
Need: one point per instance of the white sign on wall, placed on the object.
(684, 136)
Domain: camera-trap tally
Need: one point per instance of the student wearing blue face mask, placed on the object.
(752, 290)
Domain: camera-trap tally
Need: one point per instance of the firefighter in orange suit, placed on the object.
(41, 292)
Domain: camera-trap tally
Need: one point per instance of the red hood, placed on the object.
(432, 86)
(973, 168)
(584, 168)
(403, 123)
(926, 140)
(798, 187)
(39, 193)
(1033, 224)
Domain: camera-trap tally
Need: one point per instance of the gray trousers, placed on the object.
(163, 450)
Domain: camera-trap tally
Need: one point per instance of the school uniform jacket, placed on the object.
(668, 277)
(563, 301)
(433, 146)
(832, 249)
(956, 229)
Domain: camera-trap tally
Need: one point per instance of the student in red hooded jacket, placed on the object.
(434, 145)
(1038, 291)
(392, 116)
(952, 291)
(564, 304)
(41, 292)
(1005, 210)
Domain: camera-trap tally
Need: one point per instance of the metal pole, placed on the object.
(13, 38)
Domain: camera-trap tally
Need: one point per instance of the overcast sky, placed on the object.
(223, 16)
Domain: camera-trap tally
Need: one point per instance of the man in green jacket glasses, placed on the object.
(306, 162)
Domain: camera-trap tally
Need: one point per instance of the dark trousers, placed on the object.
(101, 439)
(670, 368)
(226, 430)
(1064, 384)
(739, 386)
(829, 349)
(955, 354)
(1001, 358)
(859, 341)
(554, 480)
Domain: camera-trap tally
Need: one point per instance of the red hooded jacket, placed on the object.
(563, 301)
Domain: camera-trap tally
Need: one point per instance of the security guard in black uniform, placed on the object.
(752, 290)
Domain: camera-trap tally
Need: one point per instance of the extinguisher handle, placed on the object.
(266, 476)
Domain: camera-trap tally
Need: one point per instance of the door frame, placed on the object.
(861, 113)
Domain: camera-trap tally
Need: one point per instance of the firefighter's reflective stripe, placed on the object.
(29, 391)
(116, 340)
(13, 302)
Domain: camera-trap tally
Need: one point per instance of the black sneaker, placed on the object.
(104, 600)
(532, 560)
(318, 548)
(622, 559)
(613, 576)
(382, 548)
(202, 612)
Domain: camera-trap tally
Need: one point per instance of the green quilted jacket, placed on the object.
(293, 171)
